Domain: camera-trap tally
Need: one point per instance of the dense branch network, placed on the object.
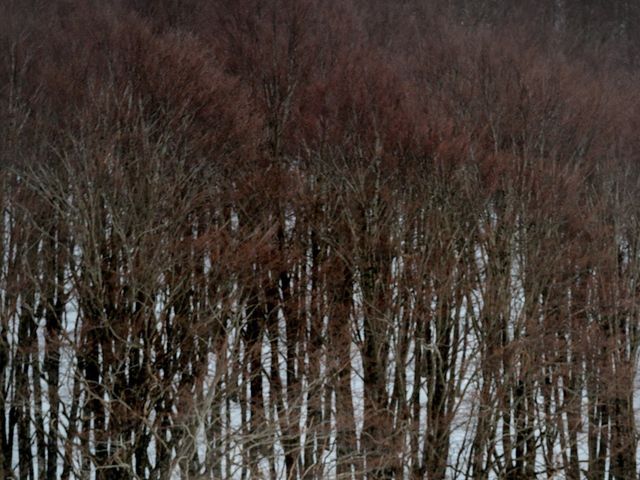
(304, 240)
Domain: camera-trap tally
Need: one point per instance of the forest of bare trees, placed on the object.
(319, 239)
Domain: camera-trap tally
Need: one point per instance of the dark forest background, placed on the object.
(319, 239)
